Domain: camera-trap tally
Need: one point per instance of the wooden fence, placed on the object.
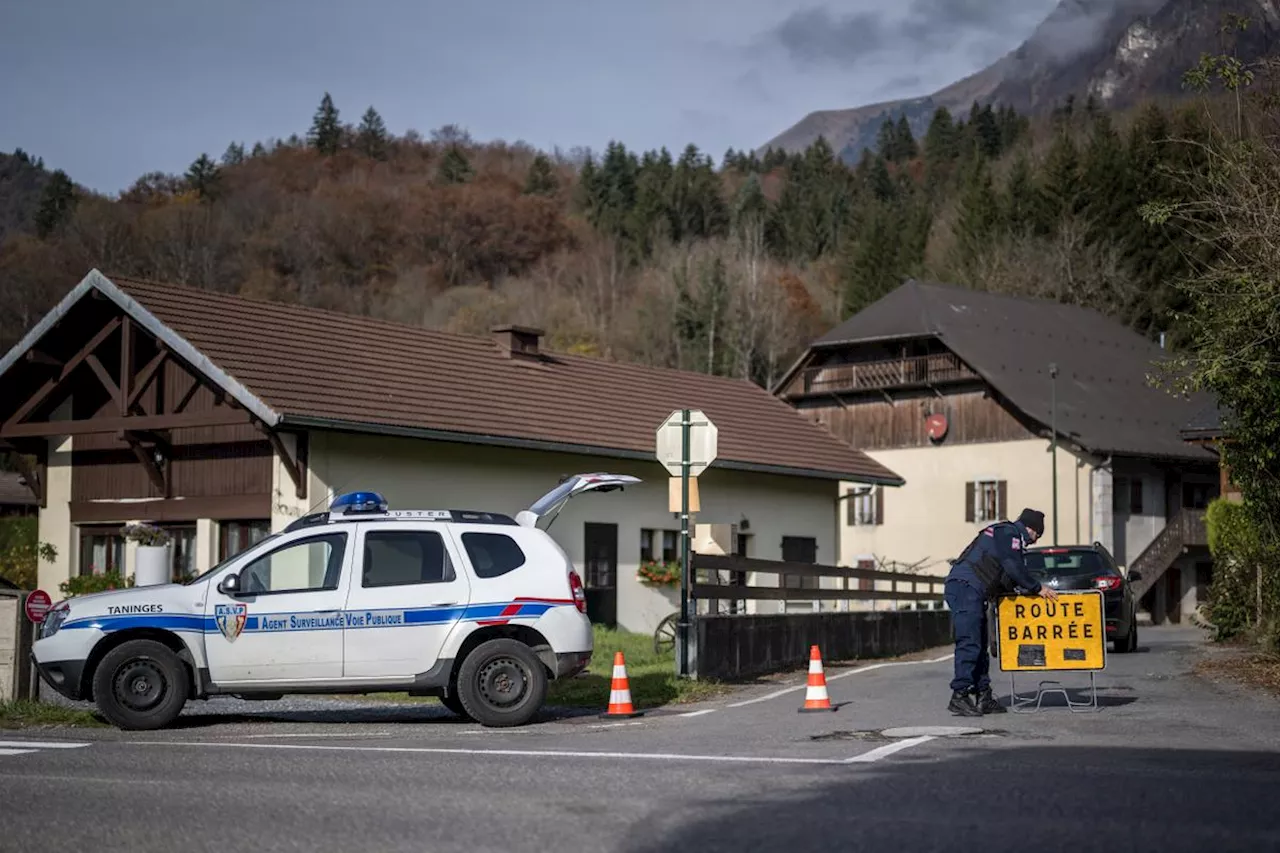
(719, 579)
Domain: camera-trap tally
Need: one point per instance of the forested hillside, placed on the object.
(664, 258)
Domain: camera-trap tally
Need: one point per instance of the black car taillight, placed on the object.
(1108, 583)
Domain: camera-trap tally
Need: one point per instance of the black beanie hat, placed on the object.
(1032, 520)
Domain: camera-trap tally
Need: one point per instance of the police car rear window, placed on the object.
(400, 557)
(492, 554)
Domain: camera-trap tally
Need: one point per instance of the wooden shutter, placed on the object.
(968, 501)
(1002, 499)
(865, 584)
(879, 504)
(851, 508)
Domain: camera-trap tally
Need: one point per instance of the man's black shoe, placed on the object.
(962, 704)
(987, 703)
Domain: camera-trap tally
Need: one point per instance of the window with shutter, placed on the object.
(985, 501)
(864, 506)
(879, 504)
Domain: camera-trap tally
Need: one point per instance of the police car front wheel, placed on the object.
(140, 685)
(502, 683)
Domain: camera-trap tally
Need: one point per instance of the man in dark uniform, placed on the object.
(993, 564)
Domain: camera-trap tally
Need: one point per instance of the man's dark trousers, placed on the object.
(969, 616)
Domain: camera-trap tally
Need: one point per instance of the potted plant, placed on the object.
(153, 562)
(659, 572)
(92, 582)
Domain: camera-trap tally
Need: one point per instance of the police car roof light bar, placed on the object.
(358, 502)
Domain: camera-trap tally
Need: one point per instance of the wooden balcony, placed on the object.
(921, 370)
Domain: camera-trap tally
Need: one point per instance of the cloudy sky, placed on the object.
(110, 90)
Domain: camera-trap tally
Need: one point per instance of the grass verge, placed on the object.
(1252, 668)
(25, 714)
(652, 676)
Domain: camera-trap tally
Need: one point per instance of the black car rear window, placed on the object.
(1065, 563)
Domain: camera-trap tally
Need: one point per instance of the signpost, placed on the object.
(686, 443)
(37, 605)
(1066, 634)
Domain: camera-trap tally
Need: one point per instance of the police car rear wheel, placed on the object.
(140, 685)
(502, 683)
(452, 702)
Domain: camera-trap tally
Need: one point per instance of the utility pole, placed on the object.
(1053, 441)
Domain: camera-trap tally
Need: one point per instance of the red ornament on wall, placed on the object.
(936, 426)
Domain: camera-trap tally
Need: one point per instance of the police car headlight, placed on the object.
(54, 618)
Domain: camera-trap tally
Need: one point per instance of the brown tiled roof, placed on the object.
(322, 368)
(1105, 401)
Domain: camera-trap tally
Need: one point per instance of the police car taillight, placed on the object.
(579, 594)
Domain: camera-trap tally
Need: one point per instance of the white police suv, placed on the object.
(477, 608)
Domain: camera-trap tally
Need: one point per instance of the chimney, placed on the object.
(517, 341)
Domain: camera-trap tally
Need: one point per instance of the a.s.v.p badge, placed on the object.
(230, 619)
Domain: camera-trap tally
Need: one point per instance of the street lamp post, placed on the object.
(1053, 441)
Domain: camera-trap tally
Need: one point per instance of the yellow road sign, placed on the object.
(1042, 635)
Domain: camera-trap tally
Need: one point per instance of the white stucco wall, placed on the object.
(925, 519)
(434, 475)
(54, 523)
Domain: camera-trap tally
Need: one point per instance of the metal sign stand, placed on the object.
(1020, 704)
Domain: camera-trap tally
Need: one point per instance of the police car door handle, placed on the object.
(443, 603)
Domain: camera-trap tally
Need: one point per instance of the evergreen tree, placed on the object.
(887, 141)
(979, 213)
(258, 150)
(697, 206)
(203, 177)
(234, 155)
(880, 182)
(941, 149)
(454, 167)
(905, 147)
(1107, 189)
(1022, 205)
(326, 131)
(653, 214)
(541, 178)
(1060, 189)
(57, 203)
(371, 138)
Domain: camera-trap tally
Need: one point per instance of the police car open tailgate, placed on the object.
(550, 504)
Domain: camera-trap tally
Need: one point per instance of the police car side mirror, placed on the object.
(230, 585)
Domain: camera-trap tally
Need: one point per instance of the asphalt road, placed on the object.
(1169, 763)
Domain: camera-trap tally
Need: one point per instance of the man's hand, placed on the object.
(1046, 592)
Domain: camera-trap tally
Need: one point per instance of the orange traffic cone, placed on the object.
(815, 695)
(620, 691)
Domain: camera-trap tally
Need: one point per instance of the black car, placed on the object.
(1069, 567)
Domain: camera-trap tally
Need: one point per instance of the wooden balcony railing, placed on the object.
(871, 375)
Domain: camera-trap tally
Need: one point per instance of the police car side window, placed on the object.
(308, 565)
(401, 557)
(492, 554)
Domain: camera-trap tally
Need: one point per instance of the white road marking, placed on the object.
(698, 713)
(783, 692)
(888, 749)
(15, 751)
(36, 744)
(324, 734)
(875, 754)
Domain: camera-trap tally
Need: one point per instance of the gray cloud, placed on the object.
(817, 36)
(983, 29)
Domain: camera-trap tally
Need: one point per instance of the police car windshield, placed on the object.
(1066, 562)
(255, 546)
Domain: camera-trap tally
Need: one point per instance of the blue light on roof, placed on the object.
(358, 502)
